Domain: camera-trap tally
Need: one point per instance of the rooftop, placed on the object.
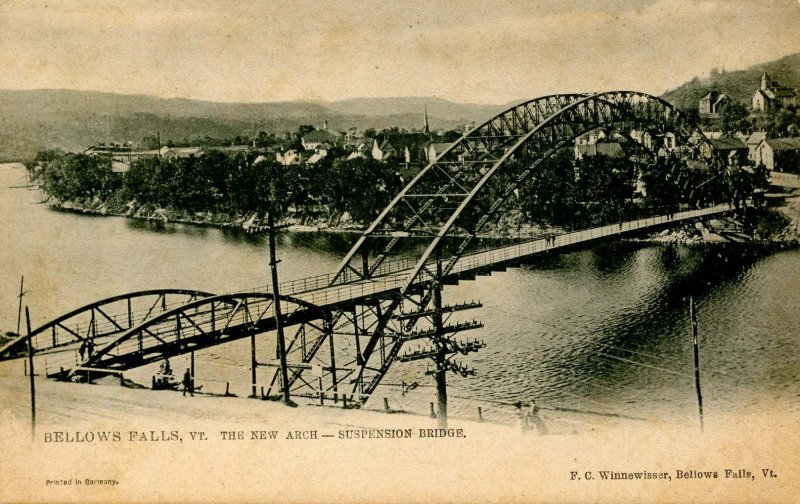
(728, 143)
(792, 143)
(320, 136)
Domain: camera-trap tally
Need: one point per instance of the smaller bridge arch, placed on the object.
(195, 325)
(101, 319)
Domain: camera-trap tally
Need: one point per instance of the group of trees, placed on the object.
(563, 191)
(577, 193)
(600, 190)
(779, 122)
(74, 177)
(233, 184)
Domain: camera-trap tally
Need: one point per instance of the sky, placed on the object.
(466, 51)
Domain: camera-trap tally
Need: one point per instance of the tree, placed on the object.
(784, 120)
(735, 119)
(362, 187)
(549, 197)
(150, 142)
(78, 176)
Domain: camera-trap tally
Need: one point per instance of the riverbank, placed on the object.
(252, 222)
(778, 223)
(767, 225)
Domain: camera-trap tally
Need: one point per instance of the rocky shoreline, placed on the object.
(780, 224)
(248, 222)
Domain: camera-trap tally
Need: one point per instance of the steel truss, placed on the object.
(195, 325)
(343, 345)
(98, 321)
(451, 200)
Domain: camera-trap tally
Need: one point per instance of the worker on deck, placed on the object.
(188, 386)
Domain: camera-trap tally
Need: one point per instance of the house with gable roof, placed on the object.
(383, 151)
(317, 138)
(713, 102)
(779, 154)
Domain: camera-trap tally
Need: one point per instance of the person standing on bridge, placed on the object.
(188, 385)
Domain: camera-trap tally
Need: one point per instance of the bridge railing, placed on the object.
(318, 282)
(317, 291)
(395, 279)
(504, 254)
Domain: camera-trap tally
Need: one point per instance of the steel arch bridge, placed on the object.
(99, 320)
(350, 326)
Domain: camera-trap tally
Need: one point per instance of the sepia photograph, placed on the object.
(318, 251)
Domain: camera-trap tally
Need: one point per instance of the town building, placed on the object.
(608, 149)
(599, 142)
(383, 151)
(179, 152)
(731, 151)
(772, 95)
(779, 154)
(435, 149)
(317, 138)
(318, 156)
(713, 102)
(289, 158)
(752, 142)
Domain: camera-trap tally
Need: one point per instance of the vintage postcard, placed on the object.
(382, 251)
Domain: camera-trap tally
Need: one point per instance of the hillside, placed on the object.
(437, 107)
(740, 84)
(72, 120)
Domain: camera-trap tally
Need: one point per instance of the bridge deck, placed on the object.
(314, 291)
(331, 295)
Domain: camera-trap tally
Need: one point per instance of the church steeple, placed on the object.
(425, 125)
(765, 82)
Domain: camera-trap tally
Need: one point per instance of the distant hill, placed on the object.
(34, 120)
(437, 107)
(740, 84)
(73, 120)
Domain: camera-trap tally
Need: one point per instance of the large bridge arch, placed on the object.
(534, 129)
(485, 165)
(631, 110)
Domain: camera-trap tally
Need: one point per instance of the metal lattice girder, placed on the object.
(542, 126)
(201, 323)
(102, 319)
(465, 188)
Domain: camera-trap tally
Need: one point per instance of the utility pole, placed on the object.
(441, 354)
(253, 365)
(30, 367)
(693, 317)
(273, 265)
(19, 309)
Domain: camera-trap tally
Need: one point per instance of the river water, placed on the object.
(604, 329)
